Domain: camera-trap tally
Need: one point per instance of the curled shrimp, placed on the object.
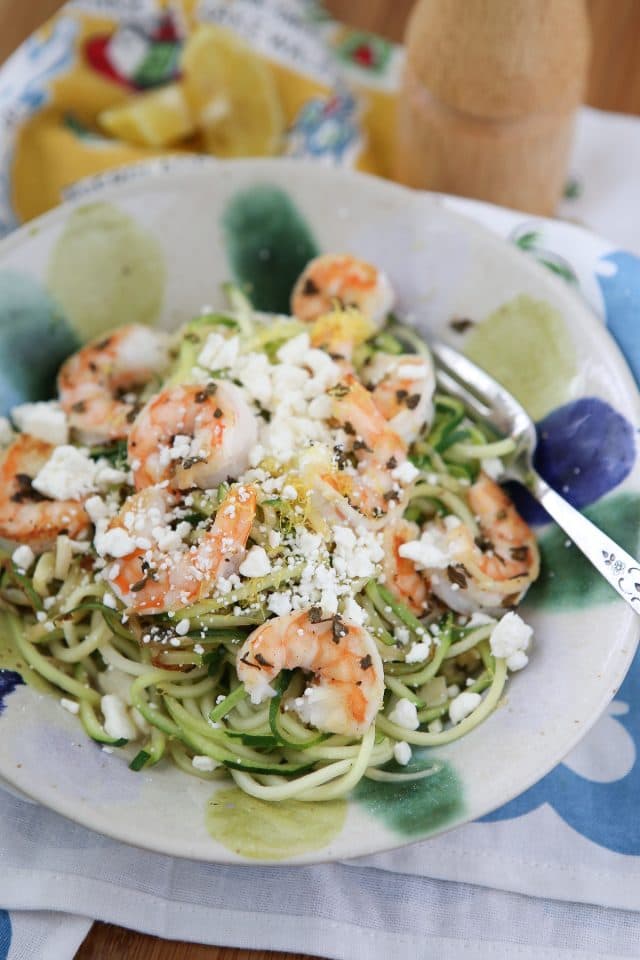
(343, 280)
(403, 579)
(376, 447)
(348, 682)
(492, 571)
(97, 385)
(159, 575)
(25, 515)
(193, 435)
(403, 388)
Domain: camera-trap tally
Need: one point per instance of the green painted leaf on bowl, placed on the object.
(567, 580)
(268, 243)
(526, 346)
(417, 807)
(262, 830)
(106, 270)
(35, 337)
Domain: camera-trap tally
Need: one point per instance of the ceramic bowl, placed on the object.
(154, 246)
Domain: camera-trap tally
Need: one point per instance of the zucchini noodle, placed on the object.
(174, 673)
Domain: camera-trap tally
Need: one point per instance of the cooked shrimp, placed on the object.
(376, 447)
(344, 281)
(97, 384)
(25, 515)
(192, 436)
(348, 682)
(403, 579)
(492, 571)
(158, 575)
(403, 391)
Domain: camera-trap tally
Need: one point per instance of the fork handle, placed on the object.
(617, 566)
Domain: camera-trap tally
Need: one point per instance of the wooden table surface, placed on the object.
(614, 85)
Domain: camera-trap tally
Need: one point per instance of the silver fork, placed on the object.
(488, 401)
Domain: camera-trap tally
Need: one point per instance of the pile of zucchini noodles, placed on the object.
(192, 701)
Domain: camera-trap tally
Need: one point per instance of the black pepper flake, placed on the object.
(483, 543)
(520, 553)
(457, 574)
(315, 614)
(79, 407)
(103, 344)
(310, 289)
(401, 395)
(501, 514)
(392, 463)
(460, 324)
(217, 413)
(340, 390)
(413, 401)
(131, 415)
(391, 495)
(361, 445)
(338, 629)
(262, 661)
(366, 662)
(26, 490)
(349, 428)
(140, 585)
(510, 601)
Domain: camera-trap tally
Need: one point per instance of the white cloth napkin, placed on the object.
(554, 875)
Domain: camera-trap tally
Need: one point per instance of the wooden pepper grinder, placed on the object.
(489, 96)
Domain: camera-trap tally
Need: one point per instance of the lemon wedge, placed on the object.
(155, 119)
(232, 95)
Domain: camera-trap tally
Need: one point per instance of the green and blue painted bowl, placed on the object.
(153, 246)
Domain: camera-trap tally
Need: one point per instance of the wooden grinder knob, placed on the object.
(489, 95)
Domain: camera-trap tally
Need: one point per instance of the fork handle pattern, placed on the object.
(617, 566)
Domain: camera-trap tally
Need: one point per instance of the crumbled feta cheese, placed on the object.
(430, 552)
(204, 764)
(435, 726)
(107, 476)
(509, 638)
(353, 612)
(182, 627)
(114, 543)
(405, 472)
(71, 706)
(401, 635)
(402, 753)
(68, 474)
(256, 563)
(280, 604)
(405, 714)
(418, 652)
(110, 601)
(218, 352)
(464, 704)
(198, 648)
(274, 538)
(46, 421)
(23, 557)
(96, 508)
(517, 661)
(289, 492)
(117, 723)
(453, 690)
(295, 350)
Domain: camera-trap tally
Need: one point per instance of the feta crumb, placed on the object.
(429, 552)
(353, 612)
(96, 508)
(453, 690)
(517, 661)
(464, 704)
(198, 648)
(68, 474)
(256, 563)
(71, 706)
(511, 635)
(274, 537)
(401, 635)
(280, 604)
(218, 352)
(205, 764)
(182, 627)
(418, 652)
(295, 350)
(117, 723)
(402, 753)
(23, 557)
(289, 492)
(479, 620)
(435, 726)
(110, 601)
(405, 714)
(46, 421)
(405, 472)
(114, 543)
